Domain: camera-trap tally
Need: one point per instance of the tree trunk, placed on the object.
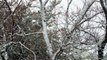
(103, 43)
(45, 33)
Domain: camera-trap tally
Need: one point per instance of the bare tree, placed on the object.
(49, 31)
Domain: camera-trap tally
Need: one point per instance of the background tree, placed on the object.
(50, 30)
